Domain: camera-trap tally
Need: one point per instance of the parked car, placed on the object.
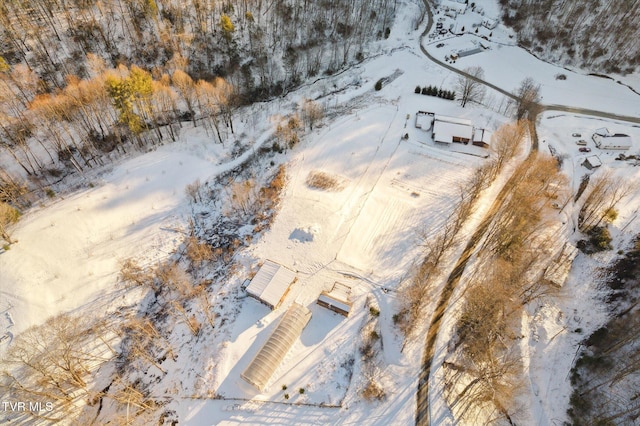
(439, 45)
(576, 135)
(581, 142)
(443, 31)
(585, 149)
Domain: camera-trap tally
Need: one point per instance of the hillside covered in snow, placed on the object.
(597, 36)
(261, 212)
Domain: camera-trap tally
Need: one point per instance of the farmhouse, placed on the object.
(481, 137)
(615, 141)
(454, 6)
(337, 299)
(276, 347)
(592, 161)
(271, 284)
(489, 23)
(450, 129)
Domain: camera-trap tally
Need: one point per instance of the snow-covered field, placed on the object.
(393, 192)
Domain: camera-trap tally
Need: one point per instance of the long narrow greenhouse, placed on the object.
(276, 347)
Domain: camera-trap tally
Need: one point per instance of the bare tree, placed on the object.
(311, 112)
(528, 98)
(469, 86)
(605, 192)
(506, 141)
(54, 361)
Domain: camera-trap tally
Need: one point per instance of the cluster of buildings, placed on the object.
(448, 130)
(606, 140)
(270, 286)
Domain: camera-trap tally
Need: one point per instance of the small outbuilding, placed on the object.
(481, 137)
(271, 284)
(470, 51)
(424, 120)
(337, 299)
(592, 162)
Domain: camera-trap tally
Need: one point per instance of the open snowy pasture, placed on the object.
(506, 66)
(69, 250)
(361, 223)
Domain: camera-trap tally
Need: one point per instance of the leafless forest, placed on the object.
(597, 35)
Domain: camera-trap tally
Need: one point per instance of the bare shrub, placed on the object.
(132, 274)
(373, 391)
(198, 252)
(321, 180)
(193, 191)
(312, 112)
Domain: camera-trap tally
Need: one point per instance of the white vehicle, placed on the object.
(581, 142)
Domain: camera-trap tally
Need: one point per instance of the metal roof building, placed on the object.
(337, 299)
(274, 350)
(445, 131)
(271, 284)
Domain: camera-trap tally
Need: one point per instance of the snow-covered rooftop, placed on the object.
(274, 350)
(446, 132)
(594, 161)
(271, 283)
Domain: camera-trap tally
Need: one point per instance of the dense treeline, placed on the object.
(80, 79)
(263, 46)
(115, 108)
(598, 35)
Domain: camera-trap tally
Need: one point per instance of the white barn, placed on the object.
(271, 284)
(450, 129)
(615, 141)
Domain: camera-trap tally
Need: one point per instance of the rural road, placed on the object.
(423, 413)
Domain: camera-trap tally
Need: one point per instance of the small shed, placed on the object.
(592, 162)
(337, 299)
(274, 350)
(271, 284)
(424, 120)
(481, 137)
